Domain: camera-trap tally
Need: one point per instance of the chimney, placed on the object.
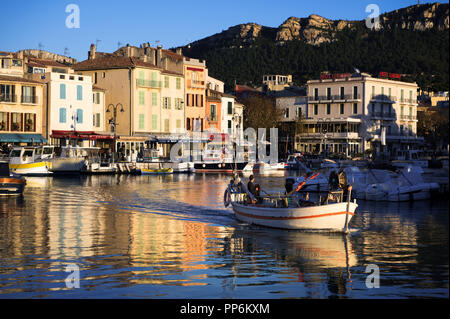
(158, 55)
(91, 53)
(179, 51)
(128, 51)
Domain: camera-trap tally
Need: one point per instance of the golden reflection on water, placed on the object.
(145, 230)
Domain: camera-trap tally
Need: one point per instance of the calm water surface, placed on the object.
(171, 237)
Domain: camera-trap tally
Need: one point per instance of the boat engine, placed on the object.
(337, 180)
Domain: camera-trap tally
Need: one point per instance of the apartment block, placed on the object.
(351, 113)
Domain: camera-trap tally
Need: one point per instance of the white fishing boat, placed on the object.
(72, 159)
(381, 185)
(291, 211)
(31, 161)
(268, 167)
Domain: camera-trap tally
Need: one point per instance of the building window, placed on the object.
(95, 78)
(30, 122)
(401, 110)
(141, 121)
(79, 92)
(62, 91)
(178, 123)
(316, 94)
(166, 125)
(355, 92)
(62, 115)
(316, 109)
(188, 124)
(166, 82)
(213, 112)
(4, 121)
(328, 93)
(178, 83)
(16, 121)
(141, 97)
(341, 108)
(79, 116)
(328, 108)
(28, 94)
(154, 122)
(230, 108)
(402, 95)
(154, 99)
(286, 113)
(166, 102)
(342, 93)
(229, 124)
(355, 108)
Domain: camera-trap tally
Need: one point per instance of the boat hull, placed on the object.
(11, 186)
(67, 165)
(219, 167)
(31, 169)
(162, 171)
(330, 217)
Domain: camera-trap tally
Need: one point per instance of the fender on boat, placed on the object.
(226, 198)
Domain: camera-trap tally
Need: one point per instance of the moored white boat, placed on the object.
(31, 161)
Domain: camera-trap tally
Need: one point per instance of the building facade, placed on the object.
(354, 113)
(195, 73)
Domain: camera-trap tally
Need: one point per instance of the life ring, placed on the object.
(226, 198)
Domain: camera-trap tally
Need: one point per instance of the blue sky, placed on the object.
(27, 23)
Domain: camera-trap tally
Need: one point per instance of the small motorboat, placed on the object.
(291, 211)
(31, 161)
(10, 183)
(156, 171)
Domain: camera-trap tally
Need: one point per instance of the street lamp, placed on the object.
(114, 123)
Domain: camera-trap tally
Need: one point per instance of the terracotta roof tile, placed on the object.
(17, 79)
(111, 62)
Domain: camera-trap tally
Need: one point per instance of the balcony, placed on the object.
(383, 98)
(334, 98)
(8, 98)
(29, 99)
(408, 117)
(408, 101)
(196, 84)
(149, 83)
(384, 116)
(353, 135)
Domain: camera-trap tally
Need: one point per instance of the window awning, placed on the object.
(21, 138)
(83, 135)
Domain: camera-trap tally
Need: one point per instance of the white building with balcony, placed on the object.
(354, 113)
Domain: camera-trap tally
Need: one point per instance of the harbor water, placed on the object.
(171, 237)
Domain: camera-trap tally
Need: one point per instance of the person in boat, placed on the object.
(258, 194)
(251, 185)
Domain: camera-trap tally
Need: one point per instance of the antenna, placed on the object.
(119, 44)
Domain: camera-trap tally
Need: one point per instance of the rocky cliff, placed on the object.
(316, 29)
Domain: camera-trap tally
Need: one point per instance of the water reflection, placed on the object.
(171, 237)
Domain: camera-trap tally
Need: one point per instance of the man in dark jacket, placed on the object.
(251, 185)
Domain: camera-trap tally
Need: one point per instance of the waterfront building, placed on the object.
(195, 73)
(213, 110)
(21, 103)
(352, 113)
(292, 103)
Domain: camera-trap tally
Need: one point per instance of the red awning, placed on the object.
(81, 135)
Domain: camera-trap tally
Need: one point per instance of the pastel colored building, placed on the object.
(353, 113)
